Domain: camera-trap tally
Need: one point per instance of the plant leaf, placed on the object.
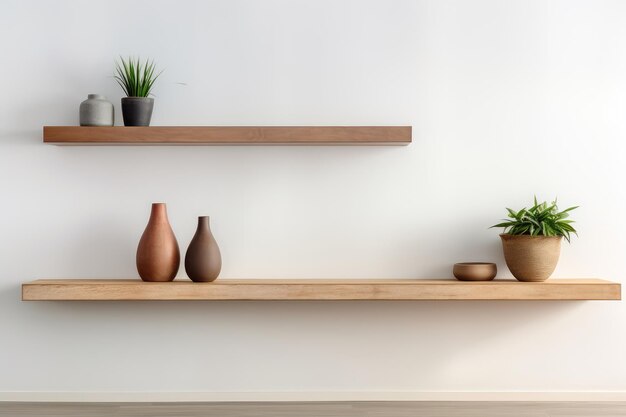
(136, 78)
(541, 219)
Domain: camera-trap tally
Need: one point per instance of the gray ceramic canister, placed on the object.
(96, 111)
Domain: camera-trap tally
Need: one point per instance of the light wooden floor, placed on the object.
(319, 409)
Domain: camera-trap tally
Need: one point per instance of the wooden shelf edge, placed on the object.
(228, 135)
(324, 289)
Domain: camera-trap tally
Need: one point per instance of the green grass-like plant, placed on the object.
(135, 77)
(542, 219)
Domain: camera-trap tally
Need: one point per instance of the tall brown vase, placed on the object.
(203, 261)
(158, 256)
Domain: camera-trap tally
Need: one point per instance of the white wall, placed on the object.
(506, 99)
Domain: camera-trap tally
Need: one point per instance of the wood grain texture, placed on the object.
(318, 289)
(320, 409)
(229, 135)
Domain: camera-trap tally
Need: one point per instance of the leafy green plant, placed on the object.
(135, 77)
(542, 219)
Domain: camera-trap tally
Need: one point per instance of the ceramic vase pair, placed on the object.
(158, 255)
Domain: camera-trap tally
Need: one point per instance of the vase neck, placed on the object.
(203, 221)
(159, 211)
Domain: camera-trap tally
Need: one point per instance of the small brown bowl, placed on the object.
(475, 271)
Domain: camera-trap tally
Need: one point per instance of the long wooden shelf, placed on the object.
(228, 135)
(318, 289)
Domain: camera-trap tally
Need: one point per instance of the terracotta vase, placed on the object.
(531, 258)
(158, 256)
(203, 261)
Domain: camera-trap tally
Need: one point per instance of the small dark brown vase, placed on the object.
(203, 261)
(158, 256)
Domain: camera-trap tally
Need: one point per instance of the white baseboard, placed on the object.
(76, 396)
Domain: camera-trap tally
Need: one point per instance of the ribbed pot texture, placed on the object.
(531, 258)
(203, 261)
(158, 256)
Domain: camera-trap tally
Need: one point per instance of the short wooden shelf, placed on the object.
(228, 135)
(318, 289)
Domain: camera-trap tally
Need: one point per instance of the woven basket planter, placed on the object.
(531, 258)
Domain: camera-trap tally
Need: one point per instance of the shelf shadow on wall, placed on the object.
(414, 341)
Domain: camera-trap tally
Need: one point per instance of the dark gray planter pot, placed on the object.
(137, 111)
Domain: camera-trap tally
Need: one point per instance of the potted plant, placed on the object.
(136, 79)
(532, 240)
